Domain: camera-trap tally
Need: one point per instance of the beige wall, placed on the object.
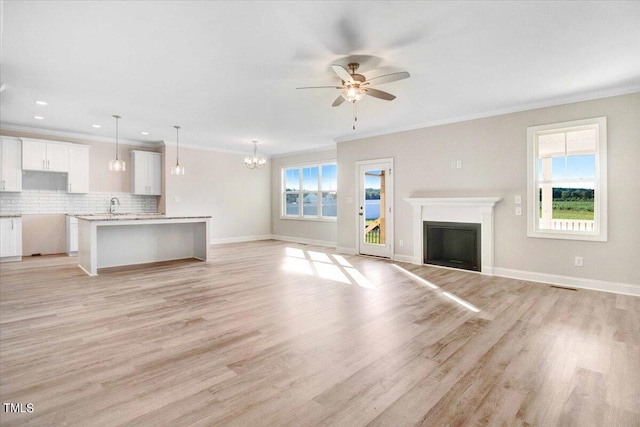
(493, 152)
(322, 231)
(218, 184)
(43, 234)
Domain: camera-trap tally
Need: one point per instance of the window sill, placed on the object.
(308, 218)
(550, 234)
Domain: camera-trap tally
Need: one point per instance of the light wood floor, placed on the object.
(275, 333)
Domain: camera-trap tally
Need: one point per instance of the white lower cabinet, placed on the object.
(72, 235)
(10, 239)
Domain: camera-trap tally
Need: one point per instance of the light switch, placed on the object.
(518, 199)
(518, 210)
(459, 164)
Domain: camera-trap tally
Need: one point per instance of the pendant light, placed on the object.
(117, 165)
(255, 162)
(177, 169)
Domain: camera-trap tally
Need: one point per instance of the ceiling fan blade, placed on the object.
(321, 87)
(342, 73)
(379, 94)
(388, 78)
(339, 100)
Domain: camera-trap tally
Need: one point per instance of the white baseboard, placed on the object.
(304, 241)
(348, 251)
(575, 282)
(240, 239)
(407, 258)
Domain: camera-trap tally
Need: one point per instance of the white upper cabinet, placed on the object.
(78, 179)
(45, 156)
(11, 164)
(146, 173)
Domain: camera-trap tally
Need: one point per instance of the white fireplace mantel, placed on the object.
(478, 210)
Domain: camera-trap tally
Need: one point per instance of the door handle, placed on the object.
(360, 214)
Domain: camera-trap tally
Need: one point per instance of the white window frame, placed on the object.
(301, 192)
(599, 232)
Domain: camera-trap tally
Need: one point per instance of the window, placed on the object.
(309, 191)
(567, 180)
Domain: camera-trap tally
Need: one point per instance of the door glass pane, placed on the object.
(292, 205)
(310, 204)
(310, 179)
(374, 207)
(292, 179)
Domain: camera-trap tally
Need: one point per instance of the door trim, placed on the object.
(390, 202)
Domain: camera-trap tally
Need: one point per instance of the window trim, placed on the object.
(600, 185)
(300, 216)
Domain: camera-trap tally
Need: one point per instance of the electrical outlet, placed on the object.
(518, 210)
(518, 199)
(401, 242)
(579, 261)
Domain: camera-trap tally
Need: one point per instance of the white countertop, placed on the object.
(133, 216)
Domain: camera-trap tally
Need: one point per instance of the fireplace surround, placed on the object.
(469, 210)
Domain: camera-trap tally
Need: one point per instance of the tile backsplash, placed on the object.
(61, 202)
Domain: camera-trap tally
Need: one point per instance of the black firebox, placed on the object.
(452, 244)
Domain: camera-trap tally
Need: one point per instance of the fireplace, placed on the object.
(452, 244)
(465, 210)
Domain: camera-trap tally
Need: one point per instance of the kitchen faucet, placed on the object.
(112, 206)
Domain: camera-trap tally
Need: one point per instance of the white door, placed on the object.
(78, 169)
(11, 165)
(155, 174)
(57, 157)
(375, 215)
(34, 155)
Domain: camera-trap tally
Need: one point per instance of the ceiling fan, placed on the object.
(355, 86)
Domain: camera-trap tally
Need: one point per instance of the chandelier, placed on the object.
(255, 162)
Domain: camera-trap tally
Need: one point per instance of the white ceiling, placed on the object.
(227, 72)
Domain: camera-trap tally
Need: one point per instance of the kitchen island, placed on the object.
(113, 240)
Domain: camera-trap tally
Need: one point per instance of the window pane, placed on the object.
(292, 204)
(329, 177)
(292, 179)
(566, 208)
(329, 204)
(310, 203)
(310, 178)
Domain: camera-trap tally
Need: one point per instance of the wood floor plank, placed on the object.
(278, 333)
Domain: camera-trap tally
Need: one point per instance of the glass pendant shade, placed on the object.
(255, 162)
(177, 169)
(117, 165)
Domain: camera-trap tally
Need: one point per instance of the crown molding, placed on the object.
(303, 152)
(76, 135)
(492, 113)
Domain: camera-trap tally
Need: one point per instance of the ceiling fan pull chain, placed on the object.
(355, 114)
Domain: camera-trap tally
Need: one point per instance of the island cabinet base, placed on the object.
(113, 243)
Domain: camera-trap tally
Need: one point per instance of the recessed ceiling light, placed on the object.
(38, 117)
(96, 126)
(41, 102)
(144, 133)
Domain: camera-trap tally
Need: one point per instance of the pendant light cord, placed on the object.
(117, 118)
(177, 146)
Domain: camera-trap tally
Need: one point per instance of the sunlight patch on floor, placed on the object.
(448, 295)
(320, 265)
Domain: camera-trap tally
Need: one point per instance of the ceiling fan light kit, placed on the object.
(355, 86)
